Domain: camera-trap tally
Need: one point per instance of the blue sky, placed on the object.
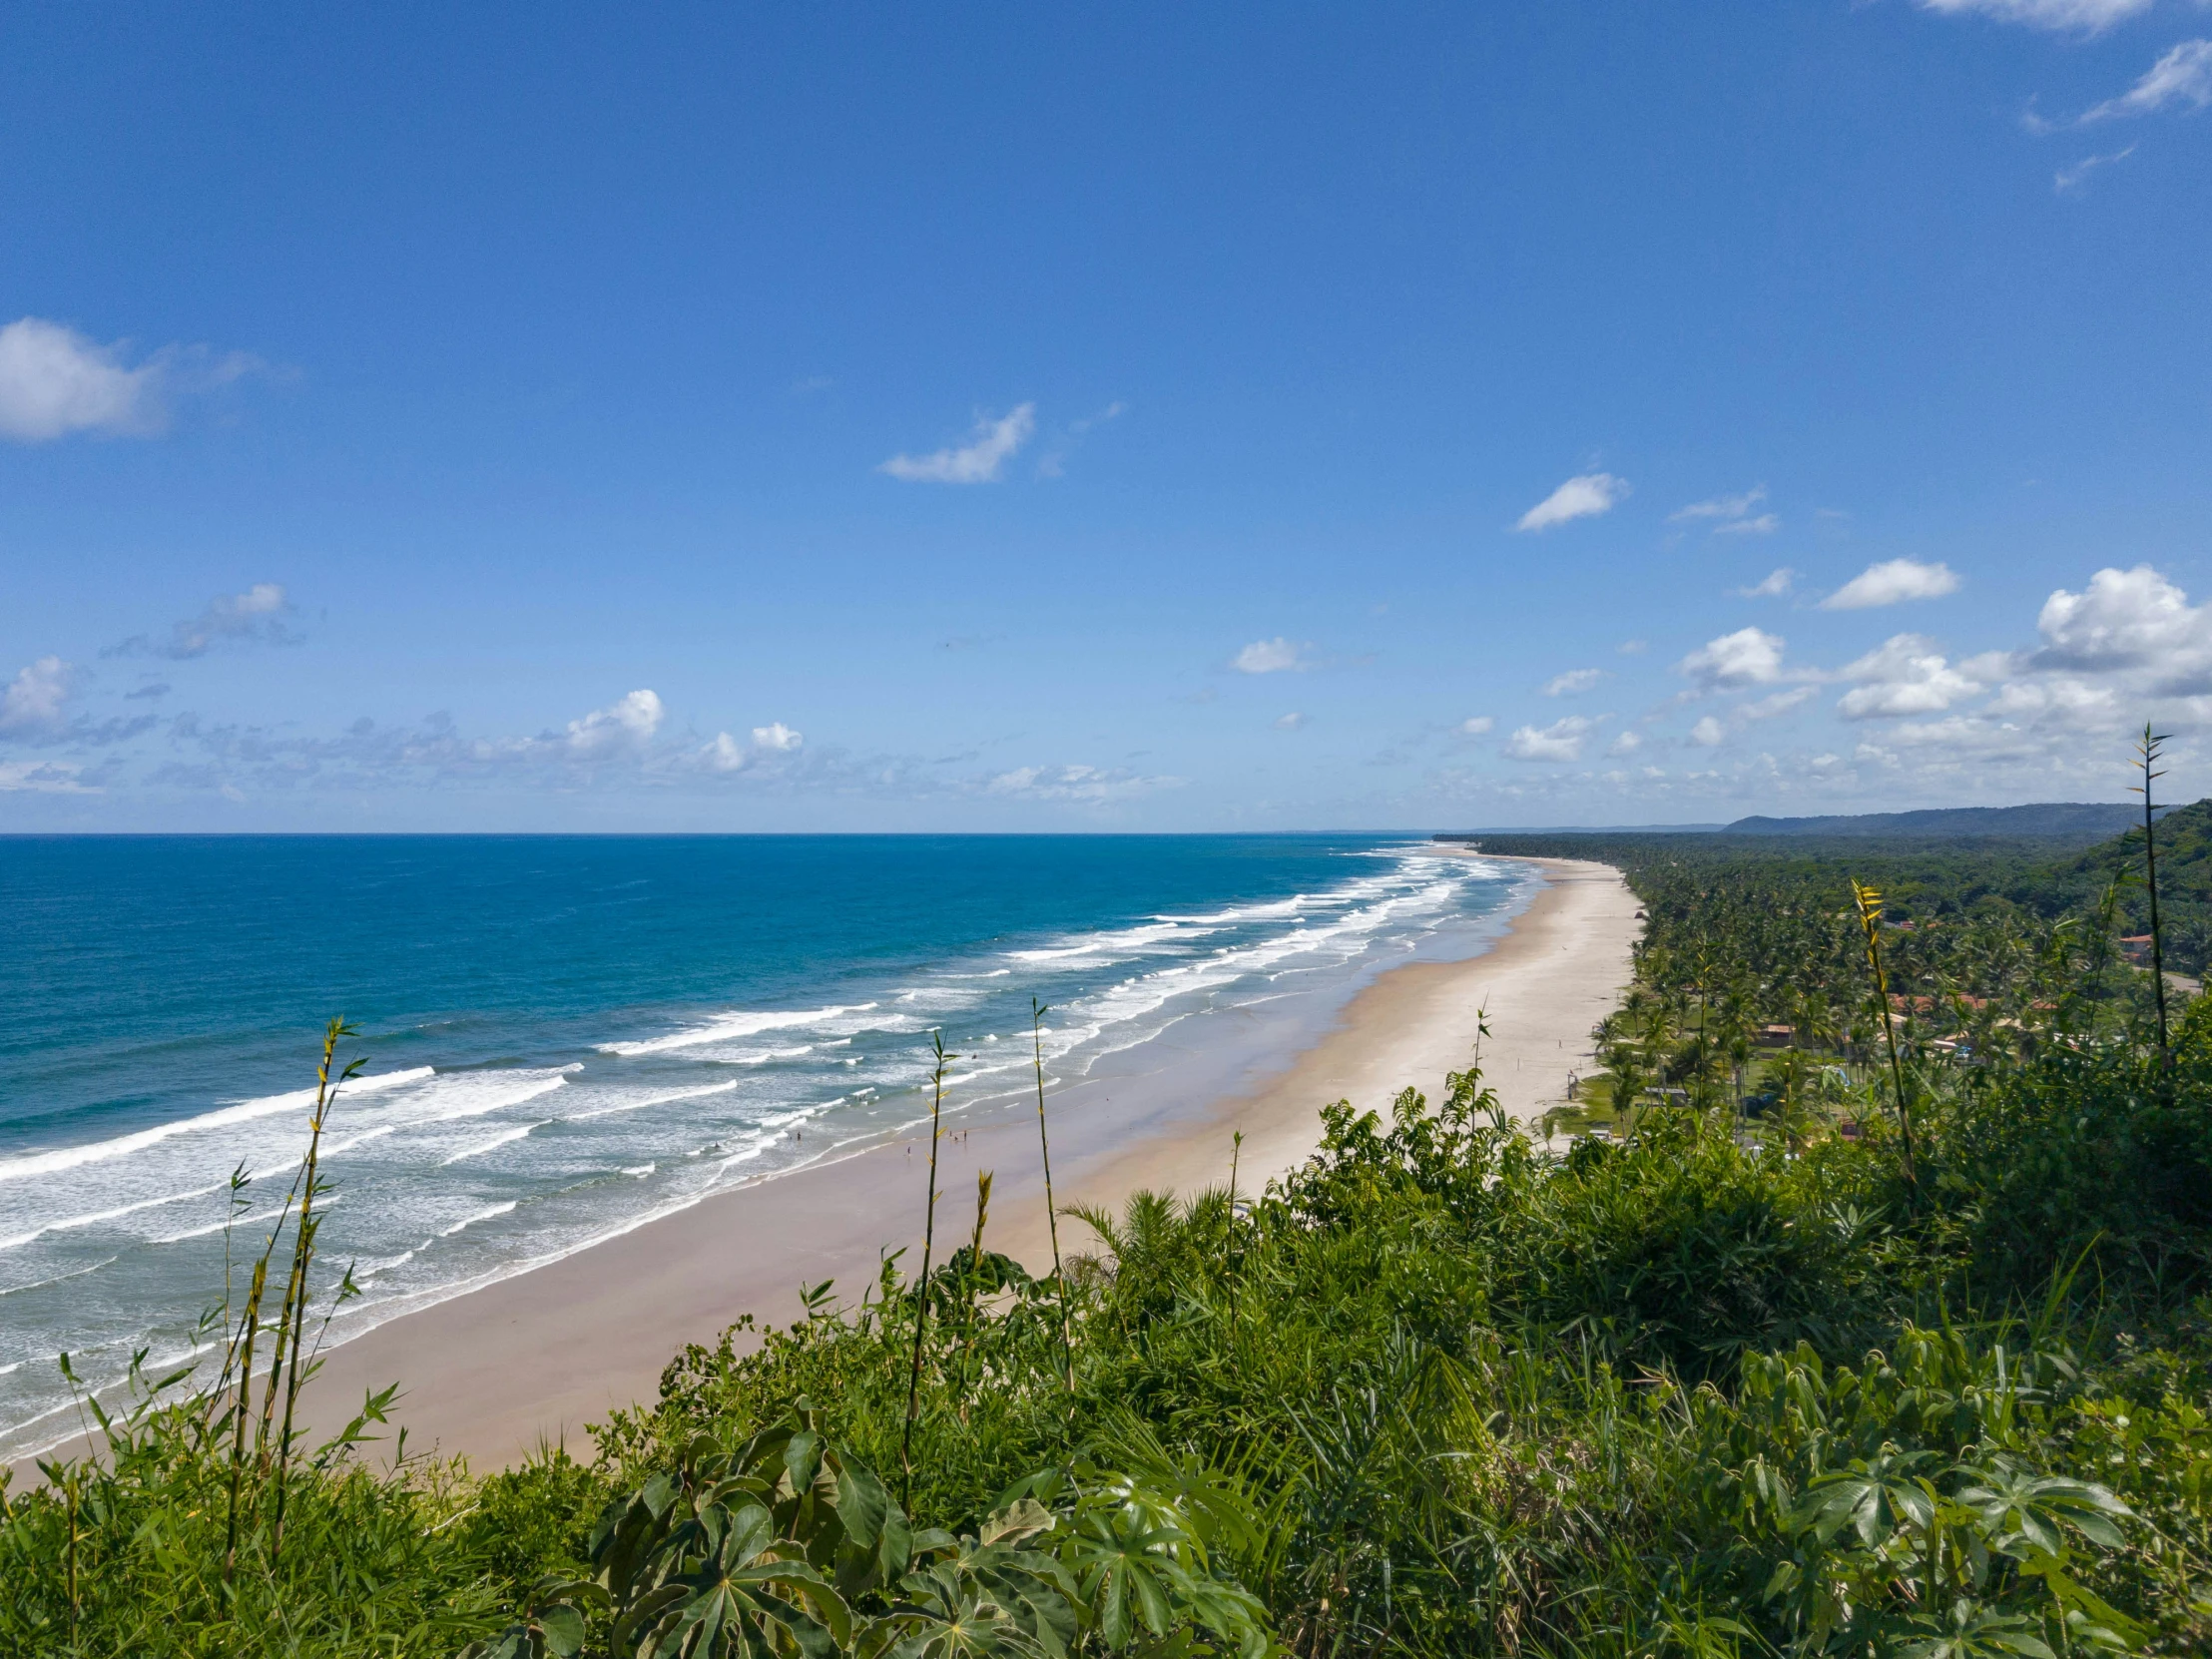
(1135, 417)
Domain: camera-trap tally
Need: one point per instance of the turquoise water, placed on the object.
(566, 1036)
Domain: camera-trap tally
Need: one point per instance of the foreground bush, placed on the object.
(1442, 1391)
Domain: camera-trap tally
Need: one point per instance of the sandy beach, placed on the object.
(533, 1359)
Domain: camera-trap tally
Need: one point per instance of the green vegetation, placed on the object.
(1736, 1384)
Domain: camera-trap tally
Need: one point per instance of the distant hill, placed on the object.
(2184, 882)
(2072, 821)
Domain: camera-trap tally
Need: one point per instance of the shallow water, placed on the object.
(566, 1036)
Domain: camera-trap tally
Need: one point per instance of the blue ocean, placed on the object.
(568, 1036)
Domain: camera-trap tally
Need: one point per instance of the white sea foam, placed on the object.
(497, 1141)
(41, 1284)
(733, 1025)
(246, 1111)
(640, 1104)
(72, 1223)
(472, 1094)
(197, 1232)
(481, 1215)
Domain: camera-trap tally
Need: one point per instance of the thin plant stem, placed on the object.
(1037, 1011)
(1235, 1151)
(2148, 750)
(969, 1312)
(922, 1284)
(1869, 922)
(325, 1095)
(249, 1327)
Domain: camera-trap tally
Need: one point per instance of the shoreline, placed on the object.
(528, 1361)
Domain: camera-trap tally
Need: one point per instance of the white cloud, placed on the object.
(1275, 655)
(33, 706)
(977, 463)
(2069, 179)
(1289, 722)
(1113, 411)
(725, 754)
(1707, 733)
(2182, 76)
(1781, 703)
(1892, 582)
(624, 727)
(1560, 741)
(55, 381)
(1626, 743)
(1574, 682)
(1765, 524)
(2132, 621)
(1581, 497)
(1776, 586)
(2089, 16)
(1904, 675)
(1732, 513)
(43, 778)
(1748, 656)
(1632, 648)
(1073, 783)
(258, 614)
(1475, 727)
(1721, 506)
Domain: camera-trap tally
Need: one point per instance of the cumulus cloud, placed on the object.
(1572, 683)
(1562, 740)
(53, 381)
(624, 727)
(1475, 727)
(1765, 524)
(1904, 675)
(2183, 75)
(257, 615)
(1748, 656)
(2086, 16)
(33, 704)
(725, 754)
(1275, 655)
(1776, 585)
(1892, 582)
(2132, 621)
(1289, 722)
(2128, 646)
(1626, 743)
(1708, 732)
(978, 461)
(1585, 496)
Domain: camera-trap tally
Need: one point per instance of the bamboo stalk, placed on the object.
(1037, 1012)
(1869, 922)
(922, 1284)
(327, 1094)
(2148, 749)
